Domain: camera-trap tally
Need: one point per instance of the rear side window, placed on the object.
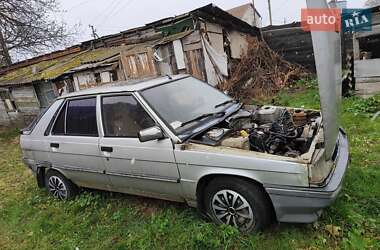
(81, 117)
(77, 118)
(59, 126)
(123, 116)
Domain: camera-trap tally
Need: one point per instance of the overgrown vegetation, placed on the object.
(261, 72)
(30, 219)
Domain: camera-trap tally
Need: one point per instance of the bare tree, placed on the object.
(29, 27)
(372, 3)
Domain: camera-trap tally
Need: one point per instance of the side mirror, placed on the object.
(151, 134)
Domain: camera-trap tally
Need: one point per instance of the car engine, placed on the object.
(266, 129)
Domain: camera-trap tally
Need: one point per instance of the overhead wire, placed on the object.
(121, 8)
(108, 13)
(79, 4)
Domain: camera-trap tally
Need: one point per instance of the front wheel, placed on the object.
(238, 203)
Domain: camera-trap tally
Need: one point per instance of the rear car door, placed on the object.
(74, 143)
(147, 168)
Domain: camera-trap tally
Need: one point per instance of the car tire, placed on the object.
(59, 186)
(239, 203)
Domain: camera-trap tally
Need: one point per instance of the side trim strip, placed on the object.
(154, 178)
(146, 177)
(78, 169)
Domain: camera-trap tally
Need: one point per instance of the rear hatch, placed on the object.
(328, 60)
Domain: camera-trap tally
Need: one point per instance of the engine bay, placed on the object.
(266, 129)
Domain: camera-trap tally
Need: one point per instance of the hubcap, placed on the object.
(57, 188)
(233, 209)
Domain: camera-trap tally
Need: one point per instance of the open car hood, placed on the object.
(328, 60)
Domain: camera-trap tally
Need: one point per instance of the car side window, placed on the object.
(77, 118)
(81, 117)
(123, 116)
(59, 126)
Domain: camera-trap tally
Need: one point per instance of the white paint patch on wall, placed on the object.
(179, 55)
(239, 44)
(105, 77)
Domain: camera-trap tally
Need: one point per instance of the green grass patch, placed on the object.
(30, 219)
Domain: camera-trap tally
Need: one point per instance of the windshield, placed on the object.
(184, 100)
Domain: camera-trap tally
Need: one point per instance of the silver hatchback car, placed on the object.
(180, 139)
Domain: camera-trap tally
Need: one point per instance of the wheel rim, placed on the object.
(57, 187)
(229, 207)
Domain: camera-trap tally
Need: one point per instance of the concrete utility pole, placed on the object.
(270, 13)
(254, 12)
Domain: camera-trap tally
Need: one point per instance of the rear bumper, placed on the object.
(30, 163)
(305, 205)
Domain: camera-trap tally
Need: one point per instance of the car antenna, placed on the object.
(169, 76)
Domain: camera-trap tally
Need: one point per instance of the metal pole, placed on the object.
(270, 13)
(254, 12)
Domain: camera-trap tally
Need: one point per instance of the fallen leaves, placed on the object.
(334, 231)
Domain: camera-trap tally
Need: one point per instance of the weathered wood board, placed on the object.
(367, 68)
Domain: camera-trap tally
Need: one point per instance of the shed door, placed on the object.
(195, 64)
(140, 65)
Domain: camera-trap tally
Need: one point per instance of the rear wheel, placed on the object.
(238, 203)
(59, 186)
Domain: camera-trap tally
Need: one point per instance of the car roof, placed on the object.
(126, 86)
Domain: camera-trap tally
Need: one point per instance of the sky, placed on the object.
(113, 16)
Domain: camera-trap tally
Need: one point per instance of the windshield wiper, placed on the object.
(216, 114)
(225, 103)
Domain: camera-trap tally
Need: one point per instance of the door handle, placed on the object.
(106, 149)
(54, 145)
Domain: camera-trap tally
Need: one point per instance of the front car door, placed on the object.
(74, 143)
(147, 168)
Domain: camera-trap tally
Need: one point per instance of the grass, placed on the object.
(30, 219)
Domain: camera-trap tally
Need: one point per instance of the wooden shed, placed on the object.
(367, 58)
(203, 42)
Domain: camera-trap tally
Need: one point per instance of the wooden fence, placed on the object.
(296, 45)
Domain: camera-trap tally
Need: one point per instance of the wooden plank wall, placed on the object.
(294, 44)
(195, 64)
(26, 99)
(4, 118)
(367, 71)
(139, 65)
(367, 68)
(194, 57)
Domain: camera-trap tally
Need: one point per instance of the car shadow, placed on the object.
(151, 206)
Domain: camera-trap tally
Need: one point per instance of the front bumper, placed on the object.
(305, 205)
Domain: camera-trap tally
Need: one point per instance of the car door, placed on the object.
(147, 168)
(74, 144)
